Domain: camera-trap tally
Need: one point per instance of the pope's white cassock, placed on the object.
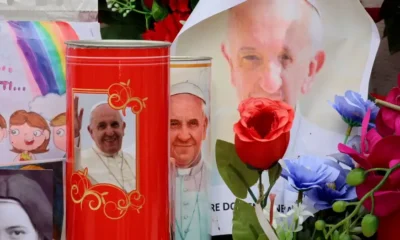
(117, 169)
(192, 204)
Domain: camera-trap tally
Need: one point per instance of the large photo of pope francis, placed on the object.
(105, 142)
(189, 148)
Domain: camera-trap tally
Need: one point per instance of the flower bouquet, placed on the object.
(354, 193)
(153, 20)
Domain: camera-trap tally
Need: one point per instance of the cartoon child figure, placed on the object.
(59, 127)
(3, 128)
(29, 135)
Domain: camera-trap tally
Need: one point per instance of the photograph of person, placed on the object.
(296, 51)
(188, 130)
(26, 205)
(99, 144)
(275, 54)
(57, 168)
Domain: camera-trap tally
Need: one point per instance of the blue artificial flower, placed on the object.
(352, 108)
(307, 172)
(323, 180)
(329, 192)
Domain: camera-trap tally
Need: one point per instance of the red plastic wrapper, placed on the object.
(118, 171)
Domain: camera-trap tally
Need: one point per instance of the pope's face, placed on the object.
(188, 128)
(107, 129)
(270, 51)
(15, 223)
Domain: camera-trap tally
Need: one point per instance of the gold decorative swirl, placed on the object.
(104, 197)
(120, 97)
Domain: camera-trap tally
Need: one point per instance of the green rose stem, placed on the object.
(370, 194)
(348, 133)
(265, 197)
(260, 188)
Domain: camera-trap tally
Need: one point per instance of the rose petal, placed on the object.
(355, 155)
(372, 138)
(394, 178)
(393, 94)
(384, 151)
(381, 126)
(383, 206)
(386, 202)
(364, 129)
(242, 133)
(389, 226)
(397, 125)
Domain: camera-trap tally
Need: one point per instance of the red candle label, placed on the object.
(118, 164)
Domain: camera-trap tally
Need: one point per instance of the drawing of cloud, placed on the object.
(49, 106)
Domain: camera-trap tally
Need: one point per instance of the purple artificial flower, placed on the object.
(352, 108)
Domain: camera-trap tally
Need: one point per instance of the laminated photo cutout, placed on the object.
(190, 145)
(297, 51)
(57, 168)
(33, 87)
(26, 199)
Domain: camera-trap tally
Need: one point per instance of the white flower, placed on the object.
(277, 216)
(299, 213)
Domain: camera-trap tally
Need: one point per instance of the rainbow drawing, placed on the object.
(41, 46)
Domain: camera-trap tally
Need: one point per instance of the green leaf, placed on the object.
(245, 222)
(236, 175)
(274, 173)
(144, 5)
(158, 12)
(262, 237)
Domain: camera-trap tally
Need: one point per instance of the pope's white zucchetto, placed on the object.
(188, 88)
(97, 105)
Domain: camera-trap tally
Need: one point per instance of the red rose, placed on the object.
(166, 29)
(262, 134)
(181, 6)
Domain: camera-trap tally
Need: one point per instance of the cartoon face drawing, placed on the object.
(59, 127)
(29, 133)
(3, 128)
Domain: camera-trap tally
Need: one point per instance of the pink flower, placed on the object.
(379, 152)
(388, 120)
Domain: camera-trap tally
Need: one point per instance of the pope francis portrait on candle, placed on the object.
(105, 160)
(188, 128)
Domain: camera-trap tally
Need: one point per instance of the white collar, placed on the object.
(98, 151)
(191, 171)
